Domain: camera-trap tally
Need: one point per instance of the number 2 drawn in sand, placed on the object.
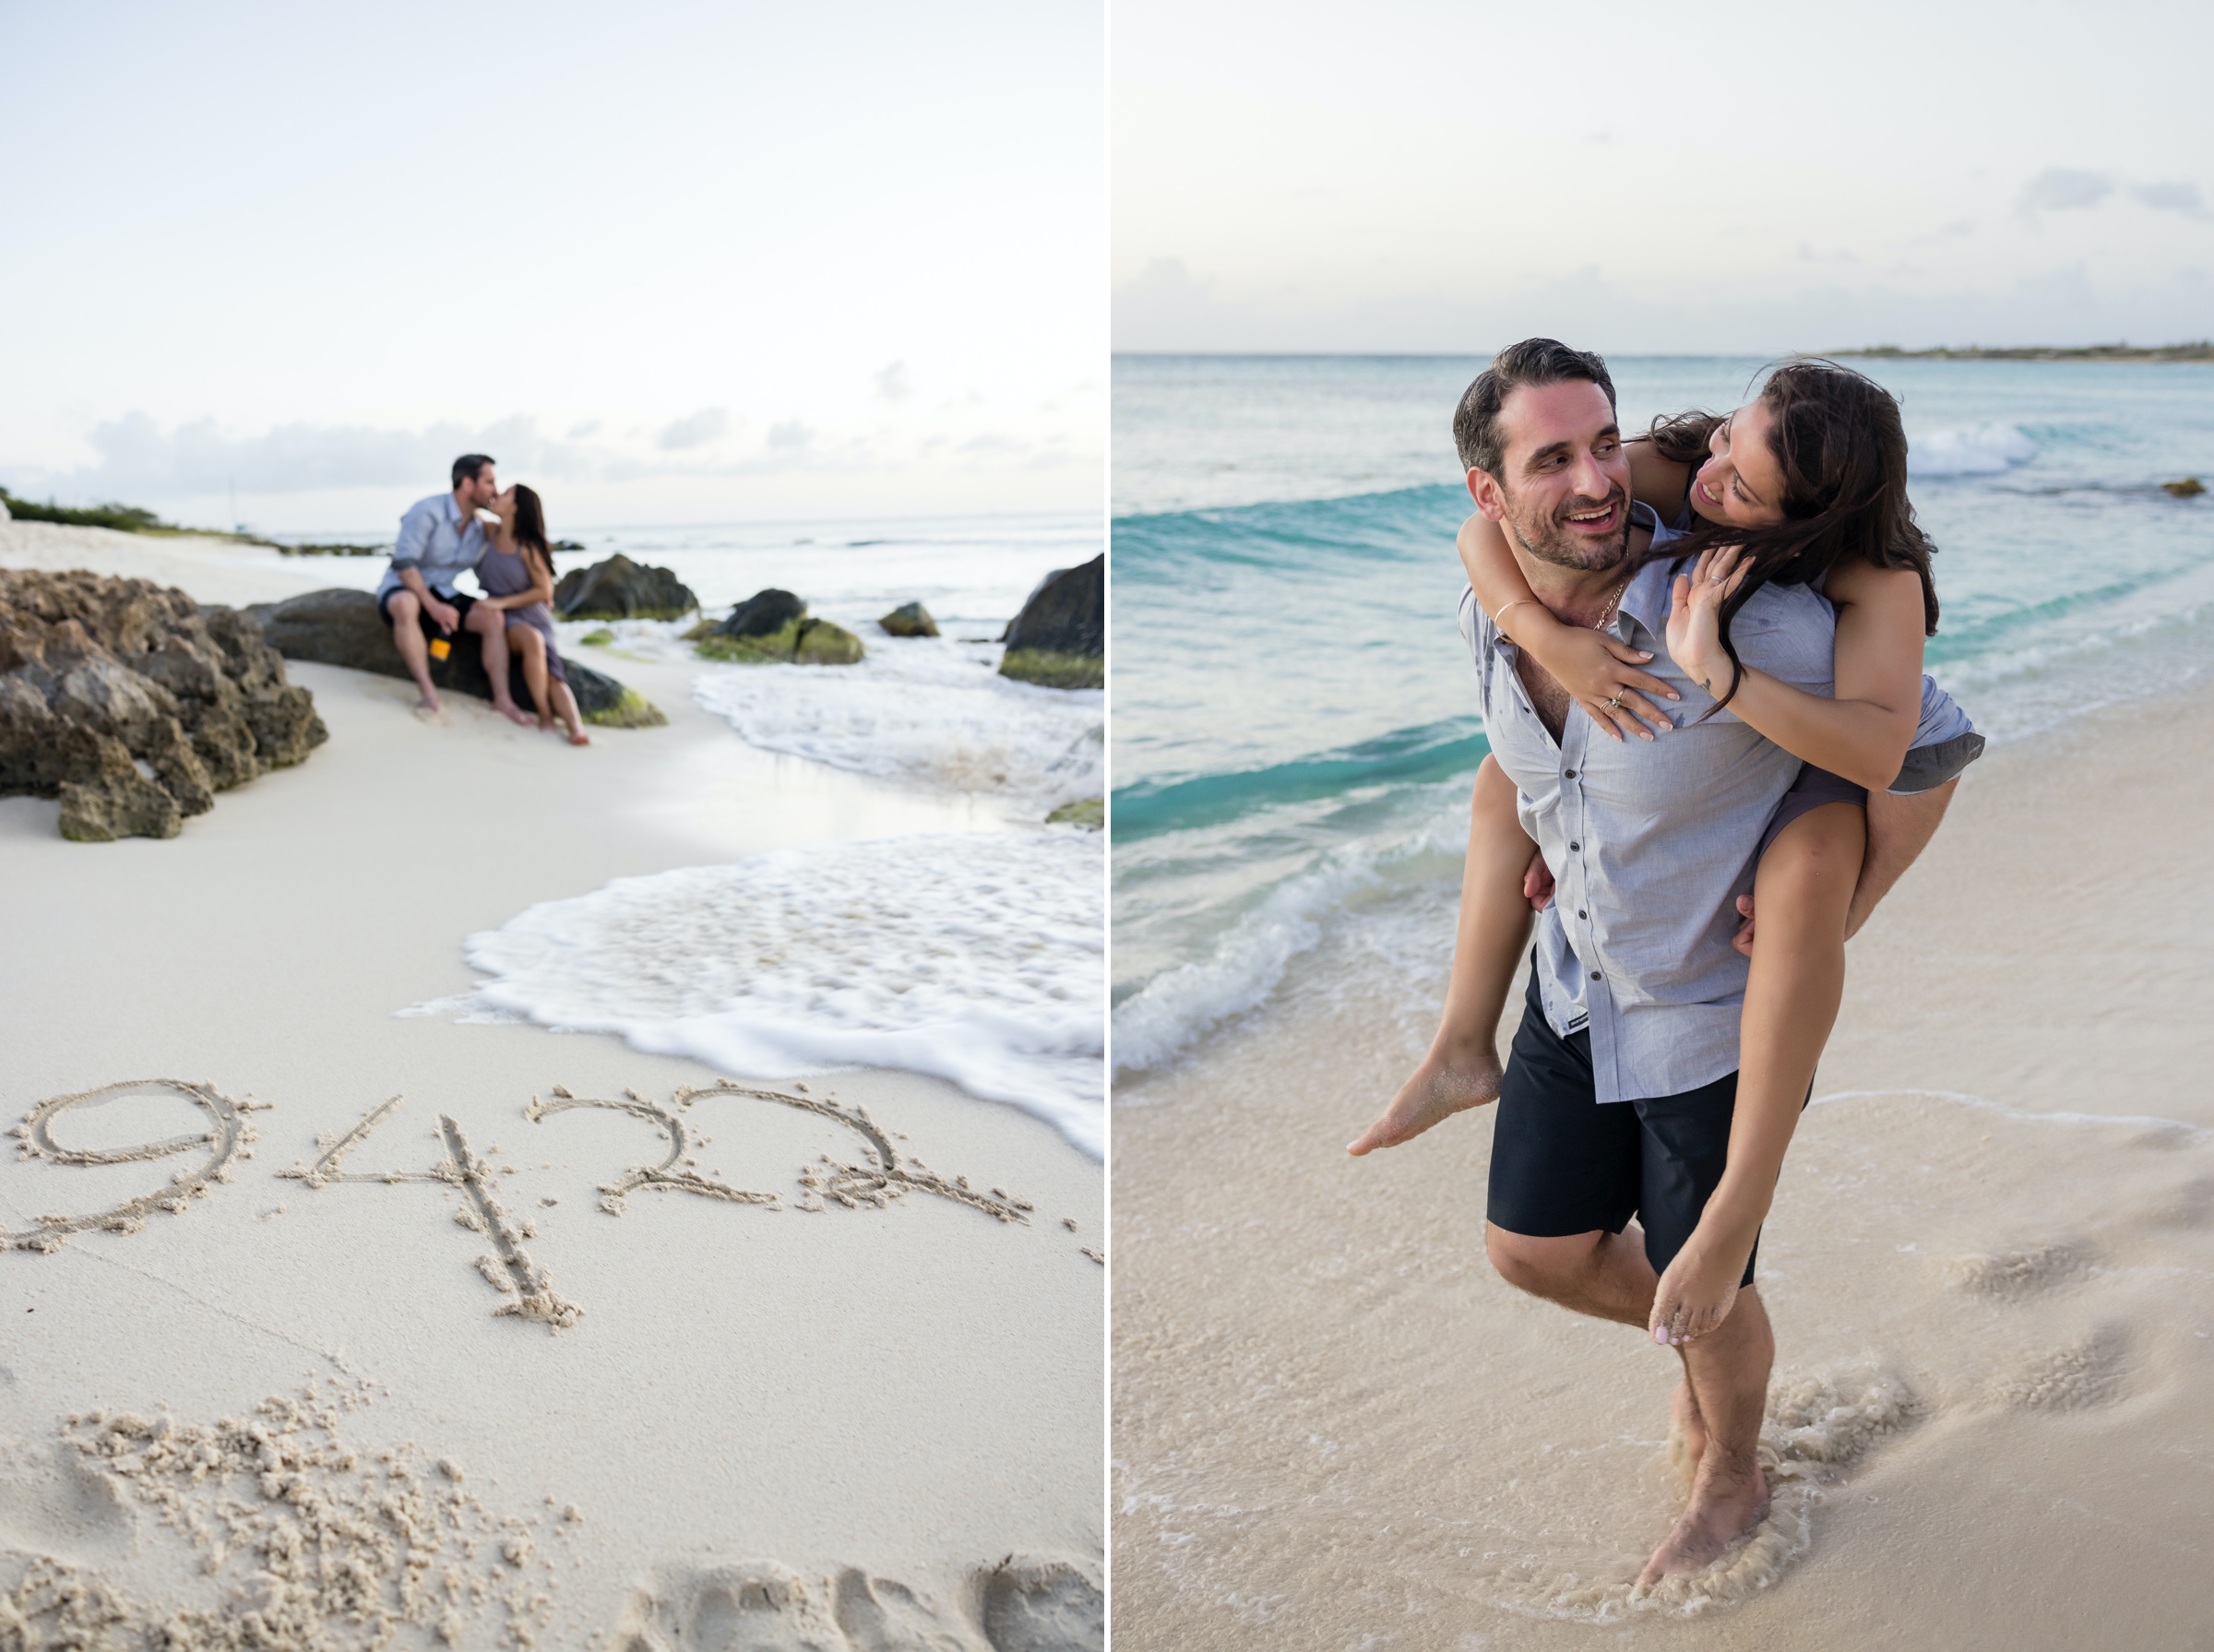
(509, 1268)
(873, 1185)
(228, 1133)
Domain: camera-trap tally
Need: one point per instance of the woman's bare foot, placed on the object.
(578, 737)
(426, 704)
(547, 722)
(513, 712)
(1687, 1434)
(1724, 1507)
(1438, 1089)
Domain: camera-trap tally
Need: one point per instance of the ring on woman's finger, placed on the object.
(1614, 704)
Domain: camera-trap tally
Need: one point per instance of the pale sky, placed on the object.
(668, 263)
(1436, 176)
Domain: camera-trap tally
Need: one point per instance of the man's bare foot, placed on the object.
(1687, 1434)
(427, 703)
(1724, 1507)
(578, 737)
(1437, 1091)
(547, 723)
(514, 713)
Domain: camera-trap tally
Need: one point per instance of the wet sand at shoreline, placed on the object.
(1334, 1426)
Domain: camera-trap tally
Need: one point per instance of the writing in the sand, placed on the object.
(471, 1178)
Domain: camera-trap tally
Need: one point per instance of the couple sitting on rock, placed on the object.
(444, 536)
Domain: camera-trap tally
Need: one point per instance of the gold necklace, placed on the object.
(1607, 613)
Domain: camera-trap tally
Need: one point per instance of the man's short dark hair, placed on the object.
(469, 464)
(1535, 362)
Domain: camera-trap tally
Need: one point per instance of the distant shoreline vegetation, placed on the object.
(2201, 352)
(136, 518)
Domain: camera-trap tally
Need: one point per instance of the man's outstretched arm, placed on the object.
(1462, 1069)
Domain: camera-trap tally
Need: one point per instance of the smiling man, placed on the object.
(1616, 1102)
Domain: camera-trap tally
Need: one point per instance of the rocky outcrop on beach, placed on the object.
(910, 619)
(771, 627)
(133, 704)
(1060, 637)
(620, 588)
(341, 627)
(2189, 488)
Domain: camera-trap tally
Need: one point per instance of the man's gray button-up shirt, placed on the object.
(1635, 943)
(436, 541)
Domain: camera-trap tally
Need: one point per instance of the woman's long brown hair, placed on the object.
(1837, 437)
(529, 530)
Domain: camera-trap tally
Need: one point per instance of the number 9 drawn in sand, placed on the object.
(228, 1134)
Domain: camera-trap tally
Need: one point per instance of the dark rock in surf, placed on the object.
(771, 627)
(910, 619)
(1060, 637)
(620, 588)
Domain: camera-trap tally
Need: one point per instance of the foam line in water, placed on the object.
(1173, 1009)
(1977, 450)
(977, 958)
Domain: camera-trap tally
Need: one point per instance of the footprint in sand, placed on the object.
(1024, 1604)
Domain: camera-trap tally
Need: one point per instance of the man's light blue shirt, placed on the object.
(436, 542)
(1650, 842)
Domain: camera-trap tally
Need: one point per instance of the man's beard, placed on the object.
(1551, 541)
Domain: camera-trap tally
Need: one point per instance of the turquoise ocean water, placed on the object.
(1294, 721)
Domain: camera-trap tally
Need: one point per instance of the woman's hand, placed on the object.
(1601, 675)
(1695, 629)
(1697, 1291)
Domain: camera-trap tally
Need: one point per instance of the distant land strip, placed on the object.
(2201, 352)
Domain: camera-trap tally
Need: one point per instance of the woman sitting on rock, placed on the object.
(516, 572)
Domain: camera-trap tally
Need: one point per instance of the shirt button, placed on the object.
(1581, 913)
(1570, 774)
(1575, 846)
(1594, 975)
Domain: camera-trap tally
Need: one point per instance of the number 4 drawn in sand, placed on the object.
(508, 1268)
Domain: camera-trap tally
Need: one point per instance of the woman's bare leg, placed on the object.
(566, 703)
(531, 648)
(491, 625)
(1804, 884)
(1462, 1069)
(1899, 828)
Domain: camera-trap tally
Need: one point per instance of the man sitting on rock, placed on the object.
(441, 539)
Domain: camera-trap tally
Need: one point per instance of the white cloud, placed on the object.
(699, 430)
(789, 435)
(892, 385)
(2172, 197)
(2062, 189)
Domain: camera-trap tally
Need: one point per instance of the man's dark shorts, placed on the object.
(461, 602)
(1562, 1163)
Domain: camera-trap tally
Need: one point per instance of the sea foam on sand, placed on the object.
(924, 712)
(977, 958)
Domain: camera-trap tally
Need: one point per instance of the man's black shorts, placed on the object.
(1562, 1163)
(460, 600)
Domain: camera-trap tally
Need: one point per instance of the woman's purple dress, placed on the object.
(505, 573)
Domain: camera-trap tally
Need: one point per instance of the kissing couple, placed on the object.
(444, 536)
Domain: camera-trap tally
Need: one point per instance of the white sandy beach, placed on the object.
(807, 1423)
(1990, 1264)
